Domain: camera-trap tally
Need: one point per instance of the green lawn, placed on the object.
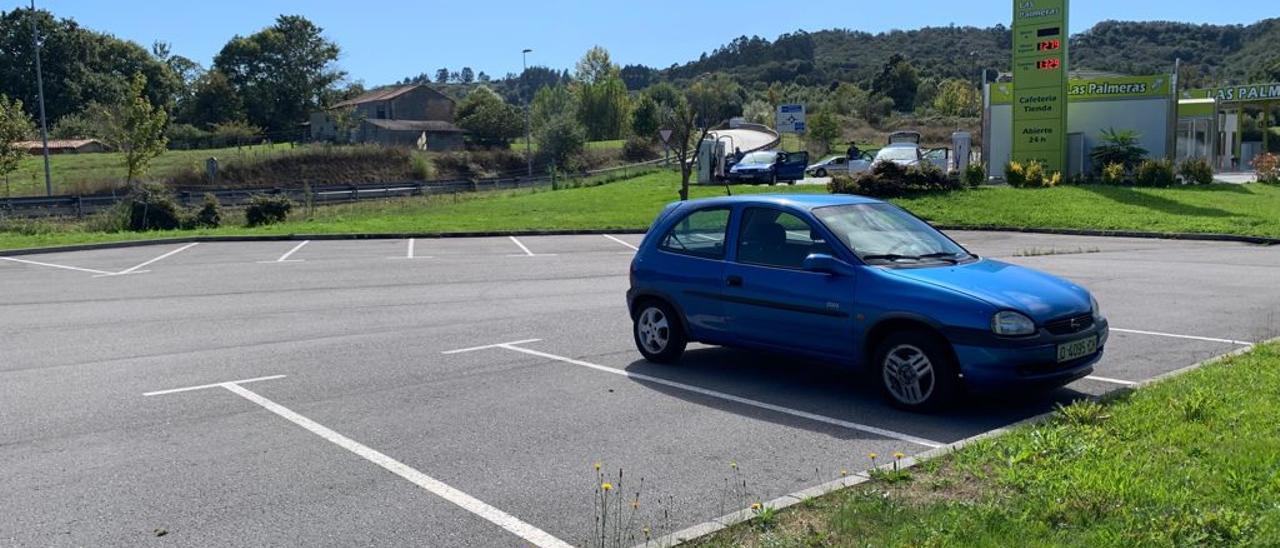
(78, 173)
(631, 204)
(1193, 461)
(518, 145)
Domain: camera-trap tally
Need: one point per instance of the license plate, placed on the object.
(1075, 350)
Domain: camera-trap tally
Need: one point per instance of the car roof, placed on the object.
(801, 201)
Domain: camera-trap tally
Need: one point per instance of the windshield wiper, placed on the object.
(952, 258)
(946, 257)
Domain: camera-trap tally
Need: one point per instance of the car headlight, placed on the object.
(1012, 324)
(1097, 310)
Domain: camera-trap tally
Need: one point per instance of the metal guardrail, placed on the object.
(79, 206)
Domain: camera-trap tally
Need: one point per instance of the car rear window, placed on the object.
(700, 234)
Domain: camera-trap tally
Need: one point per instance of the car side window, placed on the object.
(700, 234)
(769, 237)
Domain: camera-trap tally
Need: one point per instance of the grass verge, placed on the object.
(1190, 461)
(1250, 210)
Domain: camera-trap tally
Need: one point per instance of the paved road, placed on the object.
(745, 139)
(377, 435)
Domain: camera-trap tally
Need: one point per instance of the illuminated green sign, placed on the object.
(1237, 94)
(1098, 89)
(1040, 69)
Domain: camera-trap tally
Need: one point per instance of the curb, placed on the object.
(312, 237)
(1186, 236)
(1190, 236)
(742, 516)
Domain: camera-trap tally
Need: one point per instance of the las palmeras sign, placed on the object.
(1235, 94)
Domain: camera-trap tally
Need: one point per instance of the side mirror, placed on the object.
(826, 264)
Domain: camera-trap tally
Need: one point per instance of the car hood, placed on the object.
(1042, 296)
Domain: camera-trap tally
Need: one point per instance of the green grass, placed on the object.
(631, 205)
(627, 205)
(1188, 462)
(518, 145)
(1252, 210)
(79, 173)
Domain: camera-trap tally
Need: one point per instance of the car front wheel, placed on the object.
(821, 173)
(658, 333)
(915, 372)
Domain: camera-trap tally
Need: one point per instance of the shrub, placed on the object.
(1154, 173)
(638, 150)
(208, 215)
(422, 168)
(1113, 174)
(1015, 174)
(1267, 166)
(975, 175)
(842, 184)
(150, 206)
(266, 209)
(1196, 171)
(890, 180)
(1118, 147)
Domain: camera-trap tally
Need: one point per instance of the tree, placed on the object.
(455, 77)
(15, 126)
(489, 119)
(483, 78)
(603, 102)
(876, 108)
(136, 128)
(560, 140)
(898, 80)
(552, 101)
(214, 102)
(691, 117)
(468, 75)
(281, 72)
(644, 118)
(823, 130)
(442, 76)
(958, 97)
(80, 66)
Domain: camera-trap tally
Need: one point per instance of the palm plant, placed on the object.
(1118, 147)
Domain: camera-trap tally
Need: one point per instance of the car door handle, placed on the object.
(733, 281)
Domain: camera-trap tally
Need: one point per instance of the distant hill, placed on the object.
(1210, 53)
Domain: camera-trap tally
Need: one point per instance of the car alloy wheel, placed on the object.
(821, 173)
(909, 375)
(653, 330)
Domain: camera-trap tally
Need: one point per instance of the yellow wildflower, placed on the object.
(597, 467)
(873, 456)
(756, 507)
(606, 486)
(899, 456)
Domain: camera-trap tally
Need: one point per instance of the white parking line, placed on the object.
(522, 247)
(214, 385)
(412, 252)
(1112, 381)
(471, 504)
(1188, 337)
(619, 240)
(134, 270)
(711, 393)
(51, 265)
(285, 258)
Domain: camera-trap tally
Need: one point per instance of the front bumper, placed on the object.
(1002, 364)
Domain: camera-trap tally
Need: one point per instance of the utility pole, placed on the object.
(44, 124)
(528, 113)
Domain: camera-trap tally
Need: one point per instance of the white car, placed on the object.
(841, 165)
(910, 154)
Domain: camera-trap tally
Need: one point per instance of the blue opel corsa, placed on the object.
(860, 282)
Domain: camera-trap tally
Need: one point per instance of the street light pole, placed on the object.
(528, 114)
(44, 124)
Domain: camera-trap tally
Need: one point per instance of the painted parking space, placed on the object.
(363, 341)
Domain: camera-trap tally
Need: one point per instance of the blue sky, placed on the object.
(388, 40)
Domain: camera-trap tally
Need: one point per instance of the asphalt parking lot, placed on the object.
(458, 392)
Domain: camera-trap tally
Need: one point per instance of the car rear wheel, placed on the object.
(821, 173)
(658, 333)
(915, 372)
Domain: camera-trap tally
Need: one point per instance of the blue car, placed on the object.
(770, 167)
(859, 282)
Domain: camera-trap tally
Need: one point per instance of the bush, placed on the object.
(975, 175)
(422, 168)
(208, 215)
(1154, 173)
(638, 150)
(187, 137)
(1113, 174)
(890, 180)
(150, 206)
(267, 209)
(1030, 175)
(1196, 171)
(1268, 168)
(1118, 147)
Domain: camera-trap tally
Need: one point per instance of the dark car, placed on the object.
(770, 167)
(859, 282)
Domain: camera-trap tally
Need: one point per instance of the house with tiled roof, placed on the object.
(414, 116)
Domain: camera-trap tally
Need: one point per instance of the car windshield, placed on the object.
(898, 154)
(760, 158)
(885, 234)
